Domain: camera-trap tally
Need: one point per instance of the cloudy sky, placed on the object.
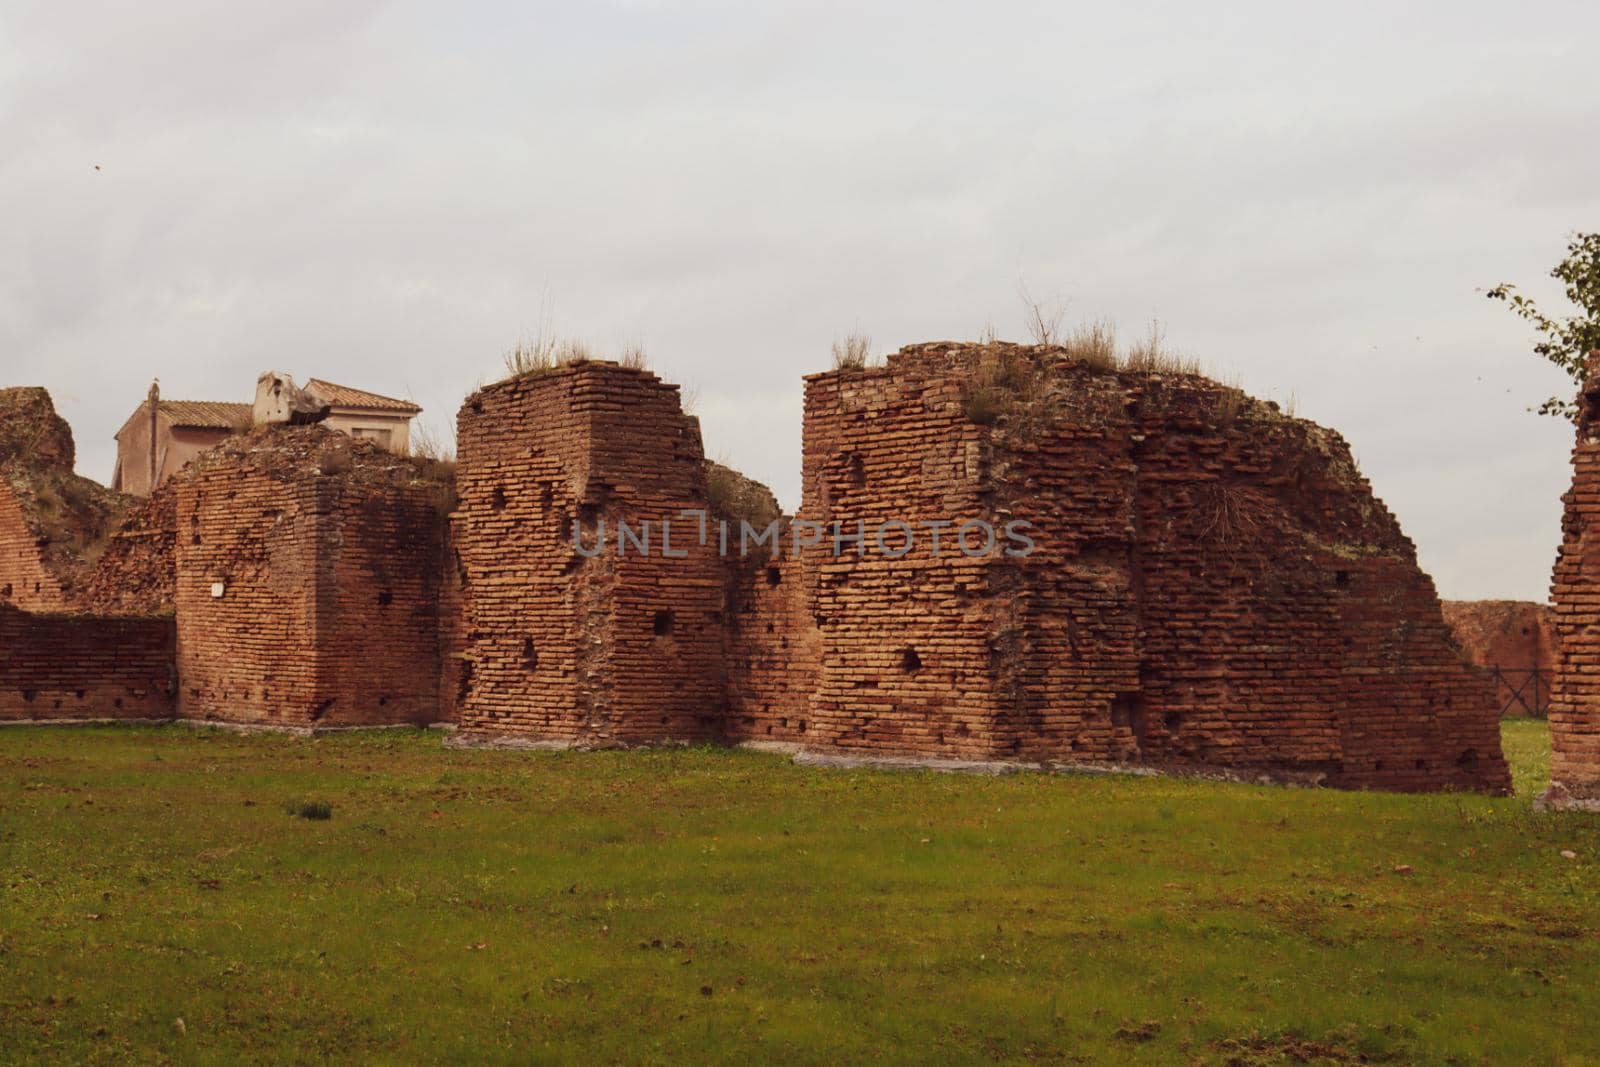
(389, 194)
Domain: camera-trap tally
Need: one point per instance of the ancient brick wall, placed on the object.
(25, 581)
(1518, 634)
(84, 667)
(308, 573)
(1212, 584)
(1519, 637)
(621, 647)
(1575, 593)
(51, 520)
(137, 572)
(772, 648)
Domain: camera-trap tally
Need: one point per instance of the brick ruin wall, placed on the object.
(1575, 591)
(327, 554)
(137, 572)
(1517, 636)
(621, 647)
(26, 582)
(84, 667)
(1213, 585)
(1514, 634)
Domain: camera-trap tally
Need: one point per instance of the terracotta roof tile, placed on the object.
(206, 414)
(345, 397)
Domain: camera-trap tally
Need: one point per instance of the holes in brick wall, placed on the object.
(661, 625)
(1468, 760)
(910, 662)
(1422, 764)
(385, 598)
(530, 654)
(464, 682)
(1379, 766)
(1171, 721)
(28, 695)
(322, 709)
(497, 499)
(5, 591)
(855, 471)
(774, 576)
(1341, 578)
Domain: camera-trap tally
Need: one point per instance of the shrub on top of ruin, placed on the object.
(633, 357)
(1152, 356)
(1093, 344)
(1012, 384)
(736, 498)
(1044, 323)
(852, 353)
(438, 459)
(1565, 342)
(544, 353)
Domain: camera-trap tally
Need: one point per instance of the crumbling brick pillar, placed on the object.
(308, 570)
(1211, 582)
(1575, 589)
(613, 643)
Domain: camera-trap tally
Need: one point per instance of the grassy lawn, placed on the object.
(702, 905)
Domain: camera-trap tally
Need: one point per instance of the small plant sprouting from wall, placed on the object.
(544, 353)
(854, 352)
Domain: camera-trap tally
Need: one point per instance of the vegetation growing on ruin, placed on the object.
(852, 352)
(1565, 342)
(711, 906)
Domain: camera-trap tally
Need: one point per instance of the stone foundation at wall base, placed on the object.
(1559, 798)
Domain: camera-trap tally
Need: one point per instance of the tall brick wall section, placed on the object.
(85, 667)
(327, 553)
(560, 648)
(1213, 583)
(1575, 591)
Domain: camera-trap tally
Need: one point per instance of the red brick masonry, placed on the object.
(85, 667)
(1575, 590)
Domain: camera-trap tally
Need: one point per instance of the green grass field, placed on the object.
(701, 905)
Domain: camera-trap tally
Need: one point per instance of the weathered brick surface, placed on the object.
(84, 667)
(327, 553)
(1575, 591)
(50, 518)
(1516, 634)
(25, 581)
(1213, 584)
(137, 572)
(772, 649)
(618, 648)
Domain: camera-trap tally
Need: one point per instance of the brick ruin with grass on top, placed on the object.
(1213, 585)
(623, 646)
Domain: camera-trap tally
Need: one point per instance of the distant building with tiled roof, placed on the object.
(163, 435)
(383, 420)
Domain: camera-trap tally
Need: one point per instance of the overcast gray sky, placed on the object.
(387, 194)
